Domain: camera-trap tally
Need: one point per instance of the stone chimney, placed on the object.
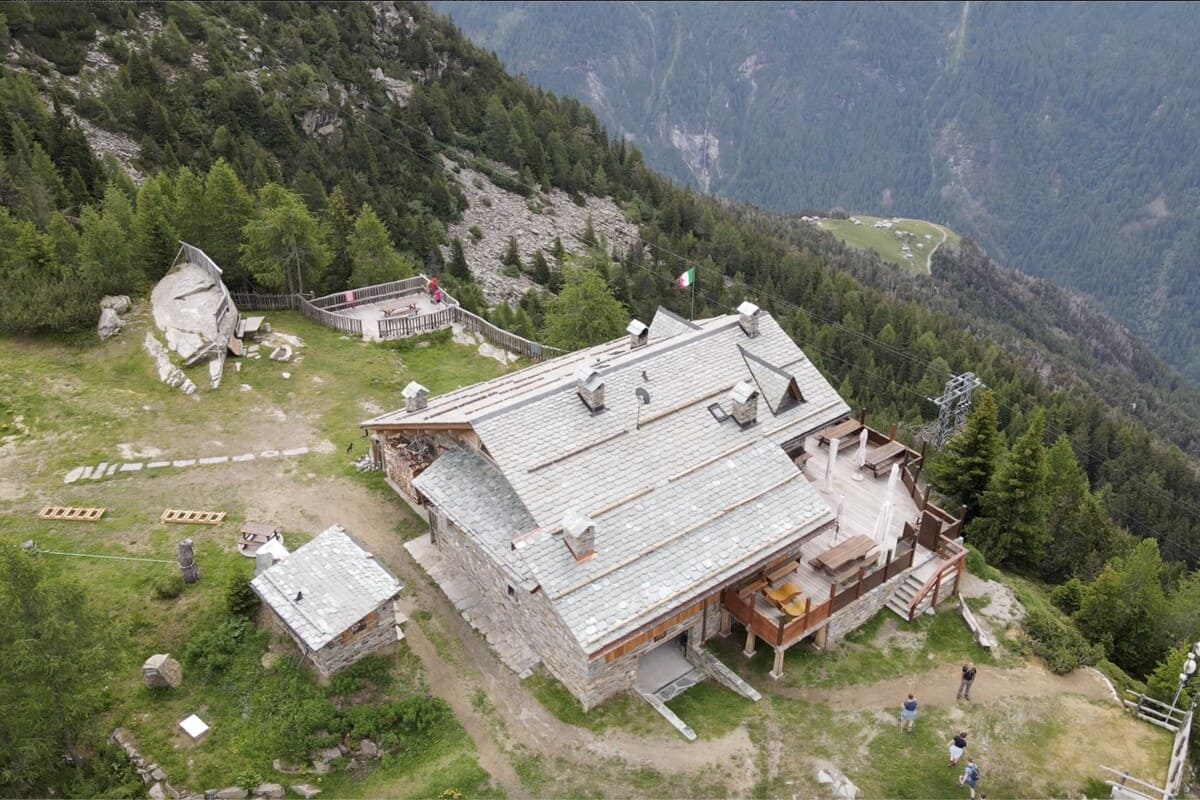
(744, 398)
(590, 387)
(579, 534)
(639, 334)
(748, 318)
(416, 397)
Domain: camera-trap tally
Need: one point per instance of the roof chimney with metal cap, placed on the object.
(579, 533)
(416, 397)
(638, 332)
(748, 318)
(744, 398)
(590, 387)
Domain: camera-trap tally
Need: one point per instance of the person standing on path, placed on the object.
(908, 715)
(958, 746)
(968, 678)
(970, 777)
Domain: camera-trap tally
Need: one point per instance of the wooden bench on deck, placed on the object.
(883, 456)
(842, 430)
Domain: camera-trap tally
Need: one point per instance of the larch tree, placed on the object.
(1081, 534)
(584, 313)
(966, 463)
(154, 238)
(374, 258)
(338, 224)
(53, 663)
(1124, 609)
(105, 256)
(1010, 529)
(282, 245)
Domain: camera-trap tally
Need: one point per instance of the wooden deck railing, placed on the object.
(779, 632)
(955, 555)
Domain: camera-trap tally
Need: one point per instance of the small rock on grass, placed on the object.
(306, 790)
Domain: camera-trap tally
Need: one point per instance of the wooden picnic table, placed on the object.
(847, 555)
(843, 429)
(883, 456)
(401, 311)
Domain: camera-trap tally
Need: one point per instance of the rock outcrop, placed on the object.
(168, 373)
(534, 221)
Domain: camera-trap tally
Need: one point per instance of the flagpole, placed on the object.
(693, 316)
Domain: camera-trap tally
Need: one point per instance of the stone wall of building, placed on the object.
(344, 650)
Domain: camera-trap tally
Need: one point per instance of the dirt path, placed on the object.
(938, 687)
(929, 258)
(444, 683)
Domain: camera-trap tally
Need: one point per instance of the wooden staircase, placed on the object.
(916, 596)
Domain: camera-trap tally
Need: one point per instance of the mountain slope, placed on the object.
(1050, 133)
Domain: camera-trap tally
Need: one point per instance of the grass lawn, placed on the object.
(73, 401)
(921, 237)
(624, 712)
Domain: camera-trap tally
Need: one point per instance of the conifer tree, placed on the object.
(1011, 527)
(1081, 535)
(458, 262)
(224, 211)
(540, 270)
(584, 313)
(512, 255)
(1123, 610)
(338, 224)
(374, 258)
(282, 245)
(154, 238)
(965, 465)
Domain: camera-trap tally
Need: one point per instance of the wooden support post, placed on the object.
(925, 497)
(937, 584)
(958, 571)
(777, 672)
(749, 651)
(892, 433)
(726, 623)
(858, 584)
(187, 562)
(821, 636)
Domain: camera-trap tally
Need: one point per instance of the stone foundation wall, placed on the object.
(858, 613)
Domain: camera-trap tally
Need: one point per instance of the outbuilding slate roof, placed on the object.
(325, 586)
(683, 497)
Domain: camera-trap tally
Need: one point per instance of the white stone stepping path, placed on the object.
(107, 470)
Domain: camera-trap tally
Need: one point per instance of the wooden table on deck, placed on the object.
(843, 429)
(843, 560)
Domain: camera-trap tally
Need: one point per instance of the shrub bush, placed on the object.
(169, 586)
(475, 232)
(412, 715)
(1060, 645)
(211, 652)
(1068, 596)
(240, 599)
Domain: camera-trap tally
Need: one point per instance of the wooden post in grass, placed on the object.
(187, 562)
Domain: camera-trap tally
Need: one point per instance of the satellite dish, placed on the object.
(643, 395)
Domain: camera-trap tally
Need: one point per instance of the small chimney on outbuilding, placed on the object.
(638, 332)
(748, 318)
(744, 399)
(416, 397)
(590, 387)
(579, 534)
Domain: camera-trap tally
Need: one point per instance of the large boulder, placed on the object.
(119, 303)
(194, 311)
(110, 324)
(168, 373)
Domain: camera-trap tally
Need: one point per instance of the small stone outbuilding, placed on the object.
(334, 599)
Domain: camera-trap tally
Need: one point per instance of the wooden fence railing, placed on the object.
(324, 310)
(781, 633)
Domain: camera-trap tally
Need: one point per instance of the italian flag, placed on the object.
(686, 279)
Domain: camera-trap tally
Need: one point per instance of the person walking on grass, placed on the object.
(958, 746)
(908, 715)
(964, 686)
(970, 777)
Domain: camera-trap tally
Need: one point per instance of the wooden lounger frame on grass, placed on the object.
(178, 515)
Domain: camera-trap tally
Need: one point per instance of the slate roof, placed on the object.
(666, 324)
(470, 489)
(678, 542)
(338, 583)
(731, 490)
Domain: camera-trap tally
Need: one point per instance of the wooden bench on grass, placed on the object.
(883, 456)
